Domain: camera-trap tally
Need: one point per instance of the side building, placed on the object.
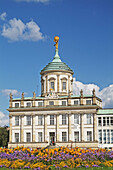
(57, 116)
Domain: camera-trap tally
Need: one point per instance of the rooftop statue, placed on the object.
(56, 39)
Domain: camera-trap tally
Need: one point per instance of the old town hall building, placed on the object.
(58, 117)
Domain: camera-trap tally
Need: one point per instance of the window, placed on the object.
(39, 136)
(89, 135)
(51, 103)
(28, 104)
(76, 136)
(104, 121)
(111, 136)
(89, 119)
(16, 137)
(16, 120)
(63, 119)
(64, 136)
(111, 121)
(28, 137)
(108, 136)
(40, 121)
(100, 136)
(108, 121)
(88, 102)
(64, 86)
(16, 104)
(51, 119)
(99, 121)
(40, 103)
(104, 136)
(28, 120)
(76, 102)
(52, 85)
(64, 103)
(76, 119)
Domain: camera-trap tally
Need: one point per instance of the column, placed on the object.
(22, 128)
(69, 127)
(82, 126)
(69, 84)
(57, 128)
(33, 128)
(10, 129)
(94, 127)
(45, 128)
(58, 84)
(46, 85)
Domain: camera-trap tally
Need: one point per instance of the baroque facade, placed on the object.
(58, 117)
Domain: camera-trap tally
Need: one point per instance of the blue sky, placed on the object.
(27, 30)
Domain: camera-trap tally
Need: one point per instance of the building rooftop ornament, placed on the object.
(56, 39)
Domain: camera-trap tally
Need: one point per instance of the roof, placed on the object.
(56, 64)
(105, 111)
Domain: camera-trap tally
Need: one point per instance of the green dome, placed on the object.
(56, 64)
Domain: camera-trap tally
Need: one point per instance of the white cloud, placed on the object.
(3, 16)
(4, 119)
(43, 1)
(105, 94)
(16, 30)
(6, 92)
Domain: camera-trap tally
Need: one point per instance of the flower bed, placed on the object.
(58, 158)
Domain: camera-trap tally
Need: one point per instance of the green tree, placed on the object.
(3, 136)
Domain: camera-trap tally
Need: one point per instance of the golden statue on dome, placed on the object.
(56, 39)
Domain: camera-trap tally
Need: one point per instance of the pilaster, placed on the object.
(82, 126)
(69, 128)
(69, 84)
(45, 128)
(10, 130)
(58, 84)
(33, 128)
(94, 127)
(57, 128)
(22, 128)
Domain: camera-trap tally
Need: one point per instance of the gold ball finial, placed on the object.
(56, 39)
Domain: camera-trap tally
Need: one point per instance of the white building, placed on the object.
(58, 116)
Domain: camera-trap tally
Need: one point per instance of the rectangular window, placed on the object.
(111, 136)
(108, 121)
(89, 135)
(64, 103)
(16, 105)
(108, 136)
(88, 102)
(16, 120)
(64, 136)
(51, 119)
(28, 120)
(104, 136)
(64, 86)
(76, 102)
(63, 119)
(16, 137)
(28, 137)
(99, 121)
(104, 121)
(52, 85)
(39, 136)
(111, 121)
(100, 136)
(89, 119)
(40, 120)
(40, 104)
(51, 103)
(28, 104)
(76, 119)
(76, 136)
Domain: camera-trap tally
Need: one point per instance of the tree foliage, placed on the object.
(3, 136)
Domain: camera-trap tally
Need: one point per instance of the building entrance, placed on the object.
(52, 138)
